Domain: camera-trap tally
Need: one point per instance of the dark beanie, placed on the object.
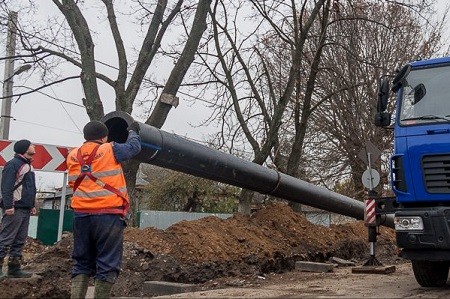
(21, 146)
(95, 130)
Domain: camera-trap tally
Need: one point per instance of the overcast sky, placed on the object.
(46, 119)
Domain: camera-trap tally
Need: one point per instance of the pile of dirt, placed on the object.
(210, 251)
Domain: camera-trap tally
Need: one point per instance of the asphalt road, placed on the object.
(341, 283)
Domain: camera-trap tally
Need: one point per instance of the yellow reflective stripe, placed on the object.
(100, 174)
(85, 178)
(72, 178)
(95, 194)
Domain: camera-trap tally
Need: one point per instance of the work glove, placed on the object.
(134, 127)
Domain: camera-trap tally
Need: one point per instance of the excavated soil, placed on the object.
(211, 252)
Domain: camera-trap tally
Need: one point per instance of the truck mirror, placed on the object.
(399, 79)
(382, 119)
(383, 95)
(419, 93)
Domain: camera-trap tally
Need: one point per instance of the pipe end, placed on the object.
(117, 123)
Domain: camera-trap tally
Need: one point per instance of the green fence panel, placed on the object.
(47, 227)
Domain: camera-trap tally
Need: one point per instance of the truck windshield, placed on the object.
(426, 96)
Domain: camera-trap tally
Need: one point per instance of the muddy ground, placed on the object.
(210, 252)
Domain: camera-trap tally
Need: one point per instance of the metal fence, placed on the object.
(164, 219)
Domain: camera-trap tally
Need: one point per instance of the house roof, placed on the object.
(55, 194)
(141, 182)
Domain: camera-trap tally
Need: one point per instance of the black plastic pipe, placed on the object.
(177, 153)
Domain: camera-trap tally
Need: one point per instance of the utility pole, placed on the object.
(9, 74)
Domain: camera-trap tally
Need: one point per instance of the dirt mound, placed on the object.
(199, 251)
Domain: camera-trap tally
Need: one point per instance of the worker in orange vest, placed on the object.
(100, 203)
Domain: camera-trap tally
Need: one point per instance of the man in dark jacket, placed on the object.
(18, 198)
(100, 203)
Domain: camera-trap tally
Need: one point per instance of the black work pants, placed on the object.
(14, 232)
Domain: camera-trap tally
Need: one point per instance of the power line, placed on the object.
(52, 97)
(50, 127)
(67, 112)
(75, 52)
(45, 94)
(157, 85)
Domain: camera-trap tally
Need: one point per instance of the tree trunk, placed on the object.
(130, 169)
(245, 200)
(168, 97)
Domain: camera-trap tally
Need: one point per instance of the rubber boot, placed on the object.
(2, 275)
(102, 289)
(79, 286)
(14, 269)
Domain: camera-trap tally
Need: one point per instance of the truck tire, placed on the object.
(430, 273)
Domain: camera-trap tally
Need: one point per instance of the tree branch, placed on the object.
(121, 53)
(76, 63)
(81, 32)
(41, 87)
(159, 114)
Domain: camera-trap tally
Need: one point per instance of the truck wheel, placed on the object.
(430, 274)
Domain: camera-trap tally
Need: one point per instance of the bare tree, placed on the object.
(71, 39)
(270, 88)
(253, 94)
(367, 39)
(273, 65)
(173, 191)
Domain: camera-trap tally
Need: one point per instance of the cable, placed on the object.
(157, 85)
(36, 124)
(75, 52)
(68, 114)
(52, 97)
(47, 95)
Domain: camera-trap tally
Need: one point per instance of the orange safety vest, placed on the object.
(97, 180)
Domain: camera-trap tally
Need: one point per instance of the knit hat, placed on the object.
(95, 130)
(21, 146)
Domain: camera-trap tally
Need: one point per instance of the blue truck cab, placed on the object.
(420, 165)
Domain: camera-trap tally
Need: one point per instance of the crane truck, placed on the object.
(420, 165)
